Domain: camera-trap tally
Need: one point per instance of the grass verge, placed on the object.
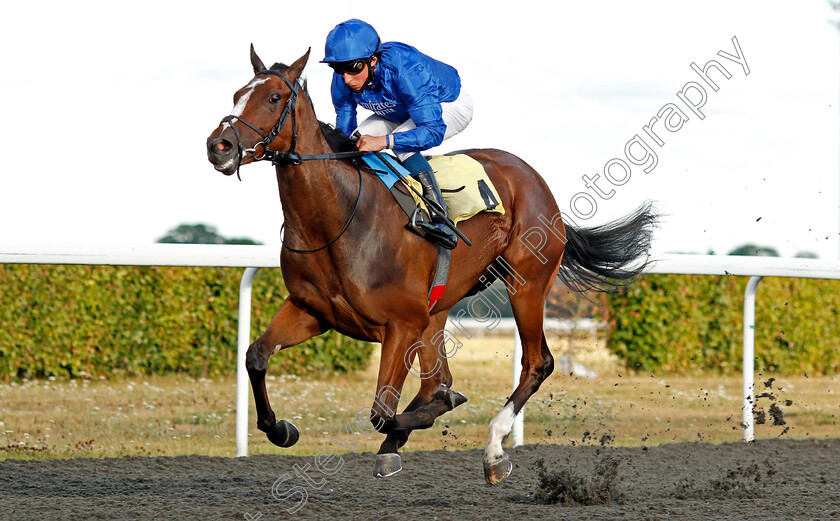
(178, 415)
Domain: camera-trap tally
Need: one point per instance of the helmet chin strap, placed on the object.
(371, 67)
(371, 74)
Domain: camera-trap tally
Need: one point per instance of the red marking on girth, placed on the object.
(435, 294)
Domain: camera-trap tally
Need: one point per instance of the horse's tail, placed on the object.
(609, 256)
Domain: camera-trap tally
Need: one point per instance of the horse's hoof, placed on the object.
(387, 465)
(283, 434)
(451, 398)
(496, 471)
(454, 399)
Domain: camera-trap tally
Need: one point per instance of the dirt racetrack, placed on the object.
(768, 480)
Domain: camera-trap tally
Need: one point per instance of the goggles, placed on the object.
(352, 67)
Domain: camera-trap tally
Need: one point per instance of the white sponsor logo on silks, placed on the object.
(385, 107)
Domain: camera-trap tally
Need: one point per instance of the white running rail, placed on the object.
(236, 256)
(754, 267)
(255, 257)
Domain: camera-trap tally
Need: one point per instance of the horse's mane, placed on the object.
(338, 140)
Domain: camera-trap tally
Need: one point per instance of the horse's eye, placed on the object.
(275, 98)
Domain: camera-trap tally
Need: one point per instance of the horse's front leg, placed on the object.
(433, 399)
(434, 396)
(290, 326)
(393, 370)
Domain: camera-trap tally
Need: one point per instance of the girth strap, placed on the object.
(441, 276)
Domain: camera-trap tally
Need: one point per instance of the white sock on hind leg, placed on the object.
(499, 428)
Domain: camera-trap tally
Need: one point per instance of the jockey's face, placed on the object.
(357, 81)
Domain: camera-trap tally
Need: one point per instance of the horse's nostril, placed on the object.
(220, 146)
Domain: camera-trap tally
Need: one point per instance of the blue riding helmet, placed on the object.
(351, 40)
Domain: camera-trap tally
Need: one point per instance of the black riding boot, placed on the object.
(437, 230)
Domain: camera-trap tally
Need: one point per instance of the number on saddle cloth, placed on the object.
(487, 195)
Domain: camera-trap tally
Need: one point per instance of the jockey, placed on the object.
(416, 101)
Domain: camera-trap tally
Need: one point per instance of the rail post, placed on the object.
(749, 358)
(242, 343)
(518, 430)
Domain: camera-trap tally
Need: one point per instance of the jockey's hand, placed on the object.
(371, 143)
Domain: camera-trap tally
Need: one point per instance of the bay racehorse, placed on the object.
(351, 265)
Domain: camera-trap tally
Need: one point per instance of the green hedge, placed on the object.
(111, 320)
(685, 323)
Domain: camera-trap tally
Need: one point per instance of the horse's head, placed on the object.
(257, 123)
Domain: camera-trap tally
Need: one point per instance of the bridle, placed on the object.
(291, 157)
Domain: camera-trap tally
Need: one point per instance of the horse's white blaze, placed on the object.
(499, 428)
(239, 108)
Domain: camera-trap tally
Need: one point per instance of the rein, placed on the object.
(344, 229)
(291, 157)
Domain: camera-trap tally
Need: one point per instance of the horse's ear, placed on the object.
(297, 68)
(256, 62)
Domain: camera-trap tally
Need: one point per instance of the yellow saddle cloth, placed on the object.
(466, 187)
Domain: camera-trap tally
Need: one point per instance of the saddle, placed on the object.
(465, 185)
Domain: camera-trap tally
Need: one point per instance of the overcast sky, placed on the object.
(108, 105)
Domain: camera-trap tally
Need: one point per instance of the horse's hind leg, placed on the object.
(537, 362)
(290, 326)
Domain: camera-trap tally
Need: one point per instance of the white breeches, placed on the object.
(456, 115)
